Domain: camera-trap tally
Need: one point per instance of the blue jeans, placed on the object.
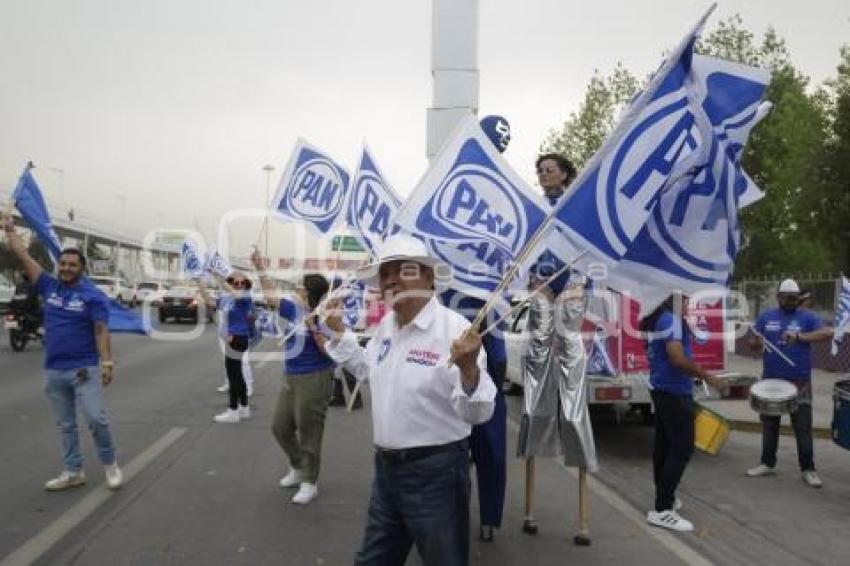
(65, 388)
(423, 501)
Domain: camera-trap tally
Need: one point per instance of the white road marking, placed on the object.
(38, 545)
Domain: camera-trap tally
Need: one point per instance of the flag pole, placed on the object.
(534, 293)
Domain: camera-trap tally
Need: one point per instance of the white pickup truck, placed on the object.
(627, 382)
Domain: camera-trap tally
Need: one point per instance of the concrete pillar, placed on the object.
(454, 68)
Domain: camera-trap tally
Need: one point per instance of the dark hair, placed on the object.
(564, 164)
(76, 252)
(317, 287)
(647, 323)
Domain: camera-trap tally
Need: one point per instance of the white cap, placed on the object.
(789, 286)
(399, 247)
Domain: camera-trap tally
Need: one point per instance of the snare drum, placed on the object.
(710, 430)
(773, 397)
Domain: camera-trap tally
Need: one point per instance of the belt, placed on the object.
(401, 455)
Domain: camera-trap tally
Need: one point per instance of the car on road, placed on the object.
(184, 302)
(115, 287)
(148, 291)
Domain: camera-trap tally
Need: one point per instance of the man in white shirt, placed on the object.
(423, 409)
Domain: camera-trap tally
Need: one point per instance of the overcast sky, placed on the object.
(167, 110)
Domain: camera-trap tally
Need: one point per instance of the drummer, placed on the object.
(791, 330)
(671, 372)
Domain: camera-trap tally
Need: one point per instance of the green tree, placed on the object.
(831, 205)
(585, 130)
(799, 155)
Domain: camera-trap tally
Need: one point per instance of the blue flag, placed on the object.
(372, 205)
(842, 315)
(313, 189)
(33, 209)
(125, 321)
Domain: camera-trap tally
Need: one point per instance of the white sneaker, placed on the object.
(114, 477)
(760, 470)
(669, 520)
(223, 389)
(292, 479)
(812, 478)
(228, 416)
(244, 412)
(65, 480)
(306, 493)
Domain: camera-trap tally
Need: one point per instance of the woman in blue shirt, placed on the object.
(671, 372)
(237, 310)
(298, 424)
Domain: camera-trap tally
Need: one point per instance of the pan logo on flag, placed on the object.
(371, 214)
(476, 201)
(631, 177)
(317, 190)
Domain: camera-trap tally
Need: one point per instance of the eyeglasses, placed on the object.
(239, 283)
(547, 170)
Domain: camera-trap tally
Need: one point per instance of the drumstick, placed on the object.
(770, 345)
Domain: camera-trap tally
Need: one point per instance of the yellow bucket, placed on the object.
(710, 430)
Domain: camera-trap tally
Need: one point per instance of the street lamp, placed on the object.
(268, 169)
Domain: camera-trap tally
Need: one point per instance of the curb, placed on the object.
(784, 430)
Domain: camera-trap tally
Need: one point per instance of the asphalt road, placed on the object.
(205, 493)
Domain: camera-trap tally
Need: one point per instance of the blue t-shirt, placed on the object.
(239, 314)
(772, 324)
(70, 312)
(663, 376)
(301, 354)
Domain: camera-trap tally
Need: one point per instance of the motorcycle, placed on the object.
(22, 324)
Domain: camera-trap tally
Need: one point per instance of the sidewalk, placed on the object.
(744, 418)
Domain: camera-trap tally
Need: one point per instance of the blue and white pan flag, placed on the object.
(471, 195)
(313, 189)
(194, 260)
(842, 315)
(266, 323)
(372, 204)
(693, 235)
(30, 203)
(473, 211)
(353, 303)
(598, 360)
(657, 204)
(218, 264)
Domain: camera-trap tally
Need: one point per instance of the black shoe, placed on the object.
(487, 533)
(336, 402)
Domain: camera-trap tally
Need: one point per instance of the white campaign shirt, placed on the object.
(416, 399)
